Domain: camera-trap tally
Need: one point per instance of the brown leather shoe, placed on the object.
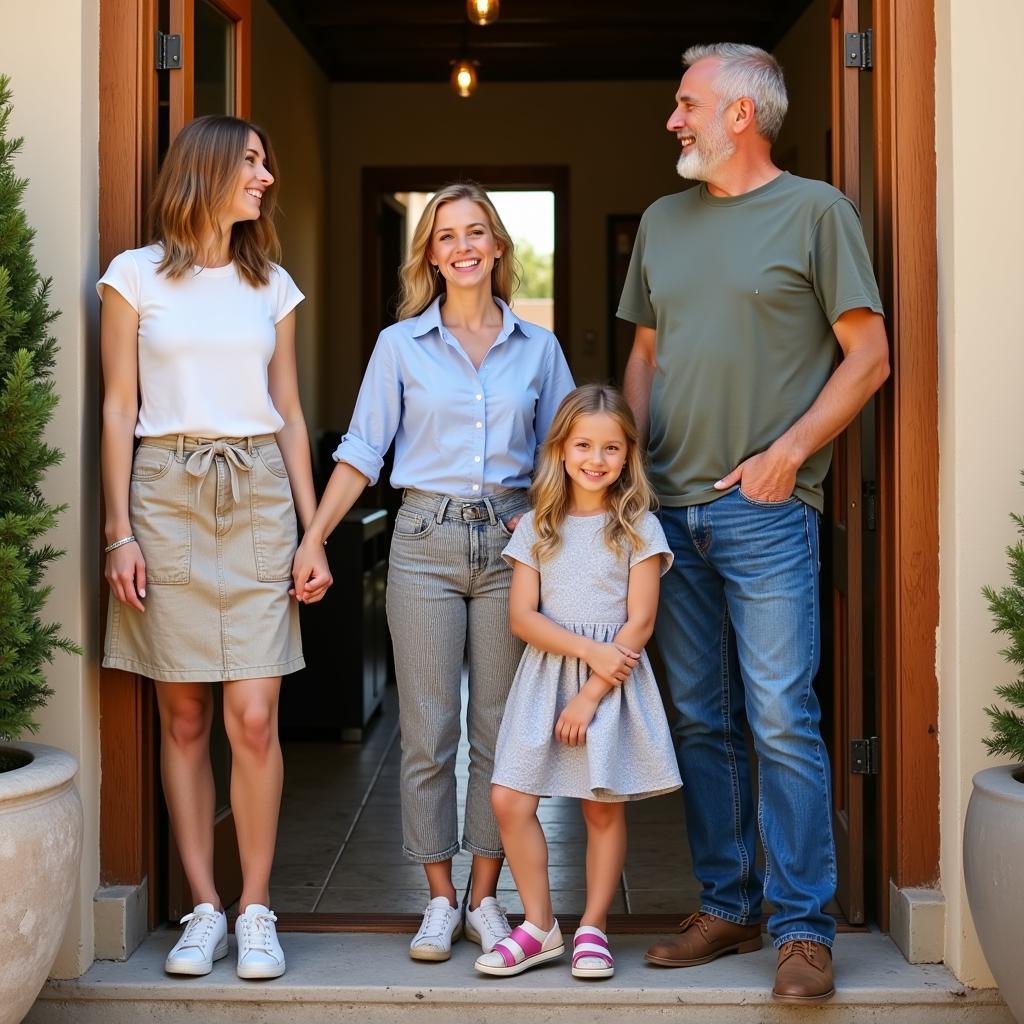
(703, 937)
(804, 973)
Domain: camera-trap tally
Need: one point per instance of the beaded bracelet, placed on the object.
(130, 539)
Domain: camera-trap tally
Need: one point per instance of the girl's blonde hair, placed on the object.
(196, 182)
(422, 282)
(627, 500)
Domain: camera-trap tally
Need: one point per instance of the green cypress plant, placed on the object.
(1007, 607)
(27, 400)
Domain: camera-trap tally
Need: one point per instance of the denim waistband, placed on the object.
(446, 506)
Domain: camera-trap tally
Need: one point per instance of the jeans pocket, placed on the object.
(159, 507)
(412, 525)
(274, 527)
(758, 503)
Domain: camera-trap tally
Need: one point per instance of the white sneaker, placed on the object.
(204, 940)
(259, 953)
(487, 924)
(442, 925)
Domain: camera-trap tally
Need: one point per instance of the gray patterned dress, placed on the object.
(628, 752)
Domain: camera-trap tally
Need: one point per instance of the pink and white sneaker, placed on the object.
(524, 947)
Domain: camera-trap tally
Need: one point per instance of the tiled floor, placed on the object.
(340, 847)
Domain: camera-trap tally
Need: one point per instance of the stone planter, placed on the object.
(994, 873)
(40, 847)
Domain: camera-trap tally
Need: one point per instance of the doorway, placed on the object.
(904, 661)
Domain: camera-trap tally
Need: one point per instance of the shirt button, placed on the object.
(476, 458)
(479, 424)
(478, 397)
(476, 487)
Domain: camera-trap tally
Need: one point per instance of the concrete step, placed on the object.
(370, 979)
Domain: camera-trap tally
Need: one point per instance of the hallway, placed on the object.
(339, 840)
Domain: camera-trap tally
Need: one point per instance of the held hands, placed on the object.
(310, 572)
(612, 661)
(126, 573)
(768, 476)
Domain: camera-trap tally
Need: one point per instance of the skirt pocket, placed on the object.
(159, 507)
(274, 527)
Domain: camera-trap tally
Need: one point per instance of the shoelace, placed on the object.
(257, 934)
(435, 921)
(198, 928)
(496, 919)
(698, 918)
(805, 948)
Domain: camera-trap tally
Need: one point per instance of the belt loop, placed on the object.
(441, 508)
(248, 444)
(490, 512)
(181, 447)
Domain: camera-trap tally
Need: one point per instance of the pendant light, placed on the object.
(464, 79)
(482, 12)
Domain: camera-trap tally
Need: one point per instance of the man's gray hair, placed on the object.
(747, 71)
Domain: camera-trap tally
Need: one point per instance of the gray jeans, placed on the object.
(447, 599)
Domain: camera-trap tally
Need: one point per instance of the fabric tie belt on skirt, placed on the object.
(236, 458)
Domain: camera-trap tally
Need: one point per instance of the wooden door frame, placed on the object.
(908, 599)
(905, 204)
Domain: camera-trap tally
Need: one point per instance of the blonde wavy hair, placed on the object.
(626, 501)
(422, 282)
(196, 182)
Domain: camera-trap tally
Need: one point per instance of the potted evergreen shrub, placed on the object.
(994, 829)
(40, 813)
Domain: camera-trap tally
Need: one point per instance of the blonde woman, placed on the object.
(466, 390)
(200, 521)
(584, 718)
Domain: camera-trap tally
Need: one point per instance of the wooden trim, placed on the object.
(905, 204)
(182, 82)
(376, 180)
(127, 148)
(390, 924)
(240, 12)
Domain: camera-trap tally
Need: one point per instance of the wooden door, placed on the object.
(845, 527)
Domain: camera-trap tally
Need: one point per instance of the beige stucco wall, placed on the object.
(981, 365)
(290, 99)
(50, 49)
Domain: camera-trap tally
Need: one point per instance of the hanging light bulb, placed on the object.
(464, 77)
(482, 12)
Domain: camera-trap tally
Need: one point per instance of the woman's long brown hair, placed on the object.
(195, 183)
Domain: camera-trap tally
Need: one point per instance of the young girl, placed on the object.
(201, 516)
(584, 718)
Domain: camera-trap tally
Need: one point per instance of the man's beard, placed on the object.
(710, 149)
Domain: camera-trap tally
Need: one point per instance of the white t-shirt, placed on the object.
(205, 342)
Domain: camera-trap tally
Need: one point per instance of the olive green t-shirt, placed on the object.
(742, 292)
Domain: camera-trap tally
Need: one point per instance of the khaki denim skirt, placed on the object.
(216, 524)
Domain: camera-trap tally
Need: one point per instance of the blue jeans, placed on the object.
(738, 629)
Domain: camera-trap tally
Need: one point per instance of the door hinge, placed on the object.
(860, 50)
(168, 52)
(864, 756)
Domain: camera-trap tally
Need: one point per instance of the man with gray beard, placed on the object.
(740, 289)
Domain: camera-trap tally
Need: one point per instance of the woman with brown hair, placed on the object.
(466, 390)
(201, 520)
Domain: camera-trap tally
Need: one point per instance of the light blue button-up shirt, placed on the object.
(457, 430)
